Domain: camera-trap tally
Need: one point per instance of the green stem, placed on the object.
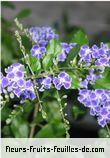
(66, 123)
(26, 58)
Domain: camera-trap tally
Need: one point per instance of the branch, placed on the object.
(35, 113)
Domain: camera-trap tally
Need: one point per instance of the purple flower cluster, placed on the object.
(63, 80)
(66, 48)
(98, 101)
(41, 36)
(97, 56)
(15, 83)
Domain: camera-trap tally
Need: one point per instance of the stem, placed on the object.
(63, 117)
(108, 130)
(26, 59)
(34, 125)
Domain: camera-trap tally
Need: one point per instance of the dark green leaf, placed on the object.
(51, 131)
(80, 38)
(103, 133)
(24, 13)
(6, 132)
(19, 127)
(27, 109)
(73, 53)
(8, 5)
(5, 113)
(77, 112)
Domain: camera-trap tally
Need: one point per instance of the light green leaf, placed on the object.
(80, 38)
(53, 49)
(35, 64)
(75, 80)
(104, 82)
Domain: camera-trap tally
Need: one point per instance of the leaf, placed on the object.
(8, 5)
(104, 82)
(53, 49)
(77, 112)
(103, 133)
(24, 13)
(75, 81)
(51, 131)
(52, 111)
(6, 131)
(73, 53)
(19, 127)
(5, 113)
(35, 64)
(80, 38)
(108, 44)
(27, 109)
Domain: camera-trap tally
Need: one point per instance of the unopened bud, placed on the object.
(65, 96)
(11, 95)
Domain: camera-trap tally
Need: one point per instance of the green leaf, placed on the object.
(52, 111)
(8, 5)
(75, 80)
(51, 131)
(78, 112)
(80, 38)
(104, 82)
(73, 53)
(103, 133)
(6, 132)
(27, 109)
(5, 113)
(19, 127)
(108, 45)
(35, 64)
(24, 13)
(53, 49)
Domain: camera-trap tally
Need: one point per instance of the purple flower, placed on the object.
(98, 101)
(66, 48)
(92, 76)
(46, 83)
(85, 55)
(61, 57)
(84, 84)
(3, 83)
(63, 80)
(37, 51)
